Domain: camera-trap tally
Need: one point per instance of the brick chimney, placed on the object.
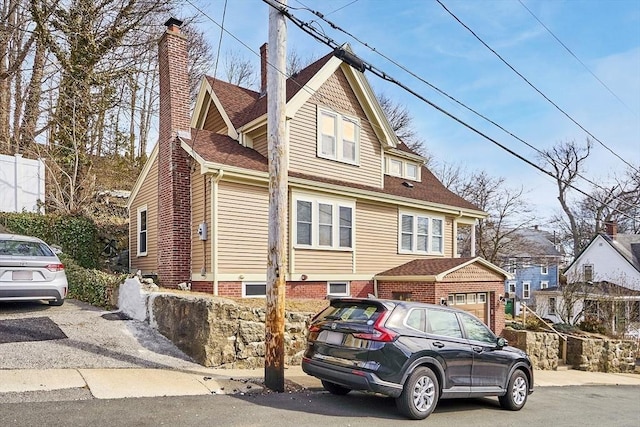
(174, 179)
(263, 68)
(611, 229)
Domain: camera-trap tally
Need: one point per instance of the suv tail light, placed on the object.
(55, 267)
(380, 333)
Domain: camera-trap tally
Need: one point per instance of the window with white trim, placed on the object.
(142, 230)
(395, 167)
(544, 284)
(544, 269)
(338, 288)
(420, 234)
(411, 171)
(254, 289)
(403, 168)
(338, 136)
(512, 288)
(323, 224)
(526, 290)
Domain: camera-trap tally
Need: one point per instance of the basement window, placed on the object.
(254, 290)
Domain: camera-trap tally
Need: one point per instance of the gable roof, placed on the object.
(245, 105)
(625, 245)
(436, 268)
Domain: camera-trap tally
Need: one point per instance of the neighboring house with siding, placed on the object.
(603, 282)
(361, 204)
(535, 263)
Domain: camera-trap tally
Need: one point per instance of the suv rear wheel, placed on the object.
(334, 388)
(419, 395)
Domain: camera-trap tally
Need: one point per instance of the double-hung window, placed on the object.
(338, 137)
(526, 290)
(323, 224)
(420, 234)
(587, 272)
(142, 230)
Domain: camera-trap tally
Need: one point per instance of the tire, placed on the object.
(56, 302)
(419, 395)
(334, 388)
(517, 392)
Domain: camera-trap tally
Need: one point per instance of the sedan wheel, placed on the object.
(420, 394)
(517, 392)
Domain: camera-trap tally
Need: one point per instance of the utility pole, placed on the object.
(278, 150)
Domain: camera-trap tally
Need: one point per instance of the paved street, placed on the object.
(611, 406)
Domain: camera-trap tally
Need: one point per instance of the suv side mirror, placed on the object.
(502, 342)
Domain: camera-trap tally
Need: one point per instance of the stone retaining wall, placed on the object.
(543, 348)
(585, 354)
(215, 332)
(599, 355)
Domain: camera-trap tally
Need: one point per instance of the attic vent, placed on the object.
(407, 184)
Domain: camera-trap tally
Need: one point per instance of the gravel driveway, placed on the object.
(92, 340)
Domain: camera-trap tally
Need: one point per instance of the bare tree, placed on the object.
(566, 160)
(239, 71)
(507, 208)
(401, 121)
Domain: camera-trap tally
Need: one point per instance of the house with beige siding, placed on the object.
(365, 214)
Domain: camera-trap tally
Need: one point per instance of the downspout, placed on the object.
(375, 287)
(215, 179)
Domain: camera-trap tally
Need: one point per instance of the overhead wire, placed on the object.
(577, 59)
(304, 26)
(533, 86)
(442, 92)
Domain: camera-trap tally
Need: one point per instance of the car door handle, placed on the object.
(438, 344)
(477, 349)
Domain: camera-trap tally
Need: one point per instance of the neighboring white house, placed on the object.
(21, 184)
(610, 257)
(603, 282)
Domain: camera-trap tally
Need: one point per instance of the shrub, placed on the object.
(92, 286)
(593, 324)
(76, 234)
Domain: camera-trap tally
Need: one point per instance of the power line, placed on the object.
(577, 59)
(358, 63)
(437, 89)
(533, 86)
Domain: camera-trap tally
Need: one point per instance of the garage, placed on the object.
(471, 284)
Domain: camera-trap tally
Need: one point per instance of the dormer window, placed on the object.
(402, 168)
(338, 137)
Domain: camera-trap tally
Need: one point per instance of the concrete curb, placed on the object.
(132, 382)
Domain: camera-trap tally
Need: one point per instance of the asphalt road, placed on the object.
(611, 406)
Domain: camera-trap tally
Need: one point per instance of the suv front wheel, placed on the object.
(419, 395)
(517, 392)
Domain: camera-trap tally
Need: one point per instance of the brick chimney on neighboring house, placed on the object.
(611, 229)
(174, 196)
(263, 68)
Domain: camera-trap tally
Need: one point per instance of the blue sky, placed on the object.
(424, 38)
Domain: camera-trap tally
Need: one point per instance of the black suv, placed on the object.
(417, 353)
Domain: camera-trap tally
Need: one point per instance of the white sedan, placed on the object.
(30, 270)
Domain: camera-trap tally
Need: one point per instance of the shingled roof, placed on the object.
(244, 105)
